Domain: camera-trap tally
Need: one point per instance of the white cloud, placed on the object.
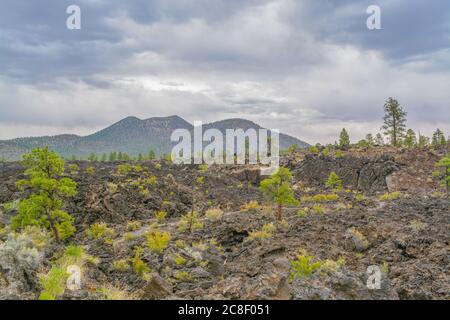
(280, 63)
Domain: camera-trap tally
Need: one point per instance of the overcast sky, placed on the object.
(306, 67)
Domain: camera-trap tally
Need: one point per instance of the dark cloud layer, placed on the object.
(286, 63)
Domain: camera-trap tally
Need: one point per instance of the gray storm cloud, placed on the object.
(306, 67)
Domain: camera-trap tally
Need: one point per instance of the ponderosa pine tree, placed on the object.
(113, 156)
(92, 157)
(344, 139)
(43, 207)
(394, 121)
(410, 140)
(438, 141)
(151, 155)
(443, 172)
(423, 141)
(278, 189)
(370, 140)
(379, 140)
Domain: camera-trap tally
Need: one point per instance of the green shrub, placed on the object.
(90, 170)
(183, 276)
(100, 230)
(214, 214)
(303, 266)
(330, 266)
(200, 245)
(363, 144)
(151, 181)
(46, 296)
(333, 181)
(417, 225)
(179, 260)
(320, 198)
(129, 236)
(313, 150)
(121, 265)
(139, 266)
(160, 216)
(75, 252)
(73, 255)
(200, 180)
(339, 154)
(303, 212)
(112, 187)
(144, 191)
(166, 203)
(123, 169)
(53, 284)
(343, 206)
(157, 241)
(265, 233)
(390, 196)
(92, 260)
(359, 255)
(190, 222)
(318, 209)
(134, 225)
(214, 243)
(359, 197)
(385, 267)
(250, 206)
(180, 244)
(10, 206)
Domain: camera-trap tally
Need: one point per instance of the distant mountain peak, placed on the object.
(131, 135)
(234, 123)
(174, 117)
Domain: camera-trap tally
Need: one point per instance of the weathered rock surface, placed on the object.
(342, 285)
(156, 288)
(408, 237)
(368, 175)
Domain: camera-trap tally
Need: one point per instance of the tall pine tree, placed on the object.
(410, 139)
(394, 121)
(438, 140)
(344, 139)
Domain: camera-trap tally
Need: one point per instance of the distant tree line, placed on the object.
(394, 132)
(116, 156)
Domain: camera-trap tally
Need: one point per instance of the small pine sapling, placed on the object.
(278, 189)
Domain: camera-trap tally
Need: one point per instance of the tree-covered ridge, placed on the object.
(130, 136)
